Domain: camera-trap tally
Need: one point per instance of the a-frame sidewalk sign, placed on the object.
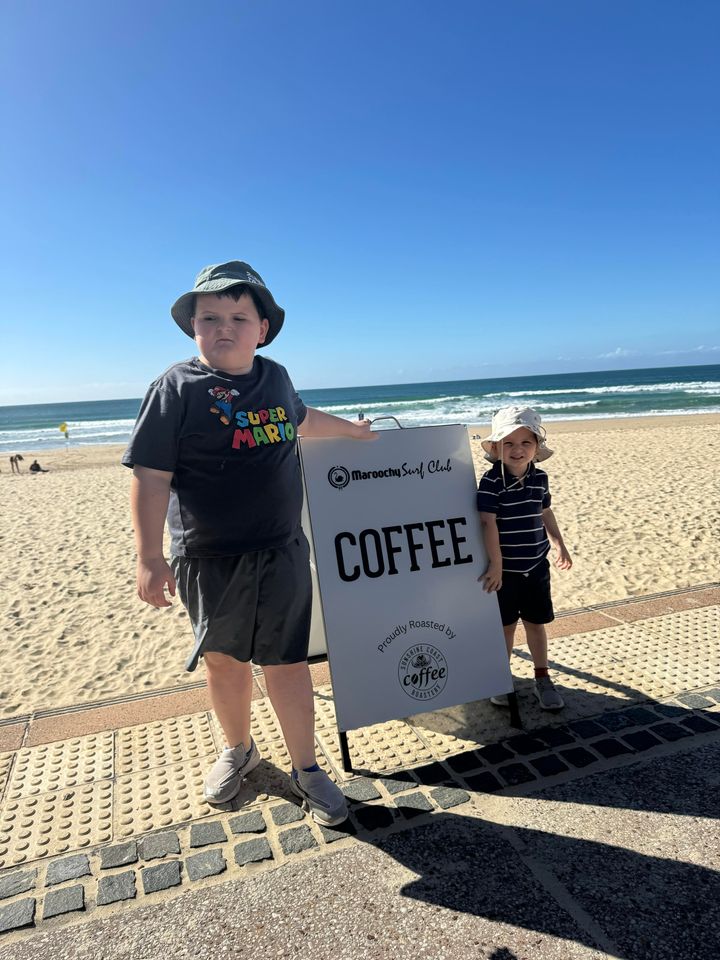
(397, 549)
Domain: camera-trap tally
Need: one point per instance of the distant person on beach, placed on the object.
(15, 461)
(36, 468)
(518, 527)
(214, 449)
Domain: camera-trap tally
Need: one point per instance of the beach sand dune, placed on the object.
(638, 503)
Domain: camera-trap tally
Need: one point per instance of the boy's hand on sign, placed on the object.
(563, 560)
(153, 576)
(363, 431)
(492, 578)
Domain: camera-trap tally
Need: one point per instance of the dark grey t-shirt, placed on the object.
(230, 443)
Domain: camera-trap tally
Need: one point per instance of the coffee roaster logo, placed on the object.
(423, 671)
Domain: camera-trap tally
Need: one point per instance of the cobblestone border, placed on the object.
(237, 844)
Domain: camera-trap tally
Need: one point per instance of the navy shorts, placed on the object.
(255, 606)
(526, 596)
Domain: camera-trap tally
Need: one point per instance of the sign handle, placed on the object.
(394, 419)
(515, 720)
(345, 751)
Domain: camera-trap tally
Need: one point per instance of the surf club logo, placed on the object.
(338, 477)
(423, 672)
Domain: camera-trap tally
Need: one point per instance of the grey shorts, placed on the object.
(255, 606)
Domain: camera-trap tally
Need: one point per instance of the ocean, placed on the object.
(564, 396)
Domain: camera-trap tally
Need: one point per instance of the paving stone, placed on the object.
(670, 731)
(669, 710)
(118, 856)
(695, 700)
(484, 782)
(297, 839)
(286, 813)
(494, 753)
(549, 765)
(699, 724)
(398, 783)
(447, 797)
(641, 740)
(610, 747)
(374, 817)
(159, 845)
(516, 773)
(578, 756)
(68, 869)
(17, 882)
(202, 834)
(119, 886)
(586, 728)
(615, 720)
(523, 744)
(248, 823)
(361, 790)
(640, 716)
(206, 864)
(17, 915)
(342, 830)
(67, 900)
(555, 736)
(413, 804)
(162, 876)
(464, 762)
(251, 851)
(433, 773)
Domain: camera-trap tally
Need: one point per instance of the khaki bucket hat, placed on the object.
(509, 419)
(222, 276)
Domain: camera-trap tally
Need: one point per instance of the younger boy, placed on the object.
(518, 526)
(214, 450)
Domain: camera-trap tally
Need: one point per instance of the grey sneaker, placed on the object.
(501, 701)
(548, 696)
(231, 767)
(321, 797)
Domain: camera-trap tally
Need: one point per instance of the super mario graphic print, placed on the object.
(253, 428)
(222, 402)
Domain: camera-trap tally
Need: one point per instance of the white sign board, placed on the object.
(398, 549)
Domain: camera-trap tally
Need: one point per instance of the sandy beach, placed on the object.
(637, 500)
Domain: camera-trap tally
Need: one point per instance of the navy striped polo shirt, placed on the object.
(518, 505)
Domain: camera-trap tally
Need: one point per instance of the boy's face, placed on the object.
(517, 450)
(228, 331)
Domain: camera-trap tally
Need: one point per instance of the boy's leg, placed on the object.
(290, 690)
(537, 643)
(230, 687)
(545, 691)
(509, 632)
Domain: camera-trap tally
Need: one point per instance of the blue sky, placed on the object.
(432, 191)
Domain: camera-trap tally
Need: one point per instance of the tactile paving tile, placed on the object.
(160, 797)
(381, 748)
(5, 765)
(64, 820)
(64, 763)
(163, 742)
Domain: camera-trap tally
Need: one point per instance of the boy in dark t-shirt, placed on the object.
(214, 451)
(518, 525)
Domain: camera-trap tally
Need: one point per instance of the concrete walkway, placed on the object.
(589, 834)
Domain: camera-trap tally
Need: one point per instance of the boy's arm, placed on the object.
(149, 497)
(320, 424)
(492, 578)
(563, 561)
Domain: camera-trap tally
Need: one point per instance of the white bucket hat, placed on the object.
(509, 419)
